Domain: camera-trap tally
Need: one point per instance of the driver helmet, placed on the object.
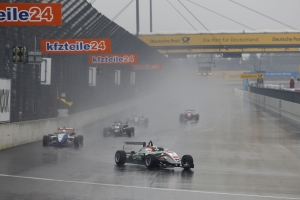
(64, 131)
(155, 148)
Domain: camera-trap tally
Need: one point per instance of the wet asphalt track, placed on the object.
(240, 151)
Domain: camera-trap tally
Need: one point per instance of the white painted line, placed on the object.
(139, 187)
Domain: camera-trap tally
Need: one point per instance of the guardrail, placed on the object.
(288, 108)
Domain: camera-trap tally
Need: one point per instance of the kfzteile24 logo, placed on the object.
(30, 14)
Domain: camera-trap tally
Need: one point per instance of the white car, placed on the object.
(152, 156)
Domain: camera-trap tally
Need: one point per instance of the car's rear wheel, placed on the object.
(128, 131)
(120, 157)
(151, 161)
(187, 162)
(197, 117)
(80, 138)
(132, 131)
(76, 142)
(45, 140)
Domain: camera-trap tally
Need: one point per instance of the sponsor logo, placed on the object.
(145, 67)
(24, 14)
(4, 100)
(113, 59)
(75, 46)
(185, 40)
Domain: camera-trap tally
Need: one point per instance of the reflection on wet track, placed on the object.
(240, 150)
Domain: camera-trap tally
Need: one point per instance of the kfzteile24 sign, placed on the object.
(75, 46)
(113, 59)
(30, 14)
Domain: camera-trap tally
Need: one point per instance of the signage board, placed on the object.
(145, 67)
(75, 46)
(223, 39)
(30, 14)
(113, 59)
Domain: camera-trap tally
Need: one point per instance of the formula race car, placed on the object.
(138, 119)
(152, 156)
(119, 129)
(64, 137)
(189, 116)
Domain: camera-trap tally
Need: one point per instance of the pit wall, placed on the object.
(287, 108)
(18, 133)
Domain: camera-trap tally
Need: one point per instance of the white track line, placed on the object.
(139, 187)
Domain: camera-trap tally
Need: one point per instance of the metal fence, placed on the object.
(69, 72)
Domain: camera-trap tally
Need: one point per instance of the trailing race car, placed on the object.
(189, 115)
(153, 156)
(119, 129)
(64, 137)
(138, 119)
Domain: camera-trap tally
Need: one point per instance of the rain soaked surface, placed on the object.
(240, 151)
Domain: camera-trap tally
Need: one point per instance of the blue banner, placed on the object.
(277, 73)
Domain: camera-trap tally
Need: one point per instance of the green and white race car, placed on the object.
(153, 156)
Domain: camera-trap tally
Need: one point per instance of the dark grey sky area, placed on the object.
(167, 19)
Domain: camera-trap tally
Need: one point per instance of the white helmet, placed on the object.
(64, 131)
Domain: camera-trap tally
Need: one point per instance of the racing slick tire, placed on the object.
(80, 138)
(120, 157)
(105, 132)
(132, 131)
(187, 162)
(129, 133)
(151, 161)
(197, 117)
(45, 140)
(76, 142)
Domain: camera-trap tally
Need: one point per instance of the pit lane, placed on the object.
(240, 151)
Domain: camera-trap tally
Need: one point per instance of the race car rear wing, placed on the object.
(67, 129)
(134, 143)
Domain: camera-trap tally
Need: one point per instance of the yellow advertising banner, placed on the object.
(218, 39)
(252, 75)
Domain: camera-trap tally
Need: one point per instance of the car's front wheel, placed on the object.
(120, 157)
(45, 140)
(187, 162)
(151, 161)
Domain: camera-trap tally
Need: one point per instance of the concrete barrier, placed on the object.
(14, 134)
(287, 108)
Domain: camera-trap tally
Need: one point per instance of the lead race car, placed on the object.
(118, 129)
(64, 137)
(189, 116)
(152, 156)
